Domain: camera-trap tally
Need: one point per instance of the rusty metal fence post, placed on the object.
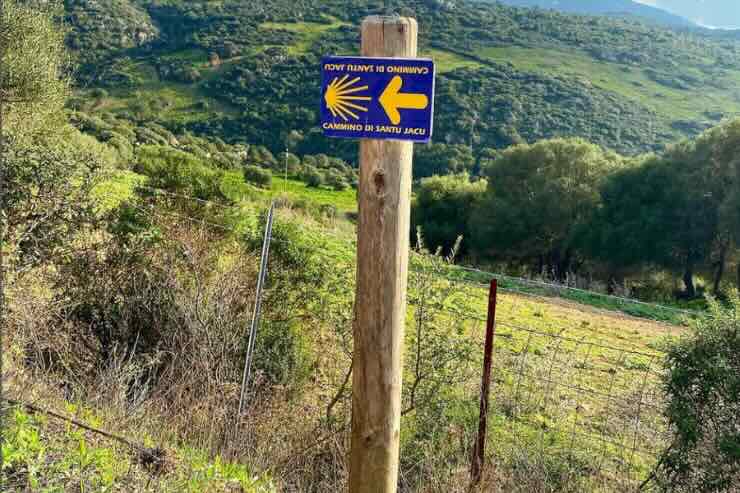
(479, 451)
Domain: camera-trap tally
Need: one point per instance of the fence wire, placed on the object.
(568, 392)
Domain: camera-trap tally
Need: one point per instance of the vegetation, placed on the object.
(540, 196)
(702, 385)
(258, 176)
(507, 75)
(133, 228)
(567, 209)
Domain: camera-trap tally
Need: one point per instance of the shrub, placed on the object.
(179, 171)
(99, 93)
(258, 176)
(313, 178)
(336, 181)
(703, 387)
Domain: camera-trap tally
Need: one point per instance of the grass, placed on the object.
(630, 82)
(120, 186)
(149, 98)
(661, 313)
(237, 190)
(308, 32)
(45, 454)
(576, 391)
(444, 61)
(574, 388)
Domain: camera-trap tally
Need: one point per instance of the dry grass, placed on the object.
(574, 399)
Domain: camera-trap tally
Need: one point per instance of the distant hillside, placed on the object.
(247, 73)
(625, 8)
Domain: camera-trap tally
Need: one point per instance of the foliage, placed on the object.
(441, 159)
(313, 177)
(33, 65)
(336, 180)
(41, 455)
(178, 171)
(442, 207)
(703, 388)
(46, 195)
(682, 203)
(597, 78)
(258, 176)
(538, 197)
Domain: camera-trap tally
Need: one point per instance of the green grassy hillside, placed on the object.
(249, 74)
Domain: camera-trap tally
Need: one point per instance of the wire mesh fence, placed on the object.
(576, 393)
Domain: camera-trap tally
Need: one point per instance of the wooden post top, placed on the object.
(389, 36)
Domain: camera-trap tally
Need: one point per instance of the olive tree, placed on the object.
(538, 198)
(47, 167)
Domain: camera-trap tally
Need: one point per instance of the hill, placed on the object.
(249, 74)
(607, 7)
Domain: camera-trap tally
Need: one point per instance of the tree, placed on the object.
(715, 154)
(442, 159)
(47, 167)
(678, 211)
(656, 214)
(538, 198)
(442, 207)
(33, 66)
(258, 176)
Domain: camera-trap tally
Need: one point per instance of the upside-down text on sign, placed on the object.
(377, 98)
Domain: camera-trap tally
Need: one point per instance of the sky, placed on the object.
(709, 13)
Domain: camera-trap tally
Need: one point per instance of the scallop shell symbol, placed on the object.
(341, 98)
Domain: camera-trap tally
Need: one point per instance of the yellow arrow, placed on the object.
(392, 100)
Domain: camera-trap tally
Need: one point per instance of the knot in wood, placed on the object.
(379, 183)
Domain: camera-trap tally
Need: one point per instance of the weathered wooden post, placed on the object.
(386, 98)
(382, 262)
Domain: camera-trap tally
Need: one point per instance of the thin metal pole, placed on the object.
(257, 308)
(480, 447)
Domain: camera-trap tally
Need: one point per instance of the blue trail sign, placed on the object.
(377, 98)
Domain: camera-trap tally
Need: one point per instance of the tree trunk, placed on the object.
(688, 281)
(720, 268)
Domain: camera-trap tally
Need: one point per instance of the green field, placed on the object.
(575, 387)
(308, 33)
(445, 61)
(627, 81)
(236, 190)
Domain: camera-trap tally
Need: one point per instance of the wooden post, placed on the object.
(479, 451)
(382, 262)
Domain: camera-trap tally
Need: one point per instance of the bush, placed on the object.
(703, 387)
(336, 181)
(258, 176)
(313, 178)
(179, 172)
